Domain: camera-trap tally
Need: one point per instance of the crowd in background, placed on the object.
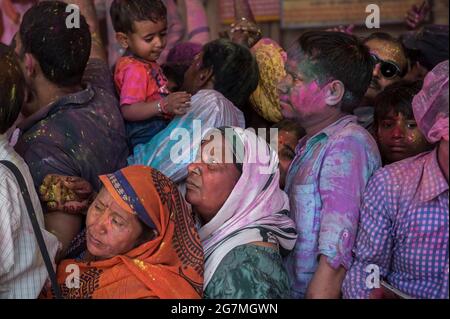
(356, 177)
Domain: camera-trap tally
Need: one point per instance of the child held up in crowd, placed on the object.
(146, 105)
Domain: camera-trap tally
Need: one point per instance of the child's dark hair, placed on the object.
(396, 97)
(236, 72)
(125, 12)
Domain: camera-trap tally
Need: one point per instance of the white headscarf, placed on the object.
(255, 211)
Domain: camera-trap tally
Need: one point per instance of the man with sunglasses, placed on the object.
(391, 65)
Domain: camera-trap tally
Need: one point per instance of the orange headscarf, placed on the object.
(167, 267)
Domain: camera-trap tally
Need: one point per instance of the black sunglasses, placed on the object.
(387, 69)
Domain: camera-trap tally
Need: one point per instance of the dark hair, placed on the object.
(175, 72)
(341, 57)
(428, 45)
(12, 88)
(382, 36)
(290, 126)
(236, 72)
(396, 97)
(62, 52)
(125, 12)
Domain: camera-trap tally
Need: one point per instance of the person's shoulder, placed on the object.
(250, 254)
(127, 63)
(209, 100)
(402, 173)
(6, 173)
(10, 177)
(38, 139)
(217, 99)
(353, 135)
(247, 260)
(38, 133)
(207, 93)
(99, 75)
(9, 183)
(353, 130)
(249, 266)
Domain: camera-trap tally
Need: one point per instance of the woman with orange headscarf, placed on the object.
(141, 242)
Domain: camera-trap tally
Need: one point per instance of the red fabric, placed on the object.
(139, 81)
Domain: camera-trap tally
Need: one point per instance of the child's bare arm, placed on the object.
(176, 103)
(140, 111)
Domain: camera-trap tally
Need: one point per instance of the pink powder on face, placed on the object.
(300, 93)
(308, 100)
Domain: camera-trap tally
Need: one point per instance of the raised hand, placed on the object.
(71, 195)
(178, 103)
(416, 16)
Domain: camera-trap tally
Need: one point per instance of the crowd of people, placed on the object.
(148, 173)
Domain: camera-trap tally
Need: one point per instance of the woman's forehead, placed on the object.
(214, 142)
(105, 198)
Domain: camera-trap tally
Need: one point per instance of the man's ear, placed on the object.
(31, 65)
(335, 93)
(122, 39)
(206, 75)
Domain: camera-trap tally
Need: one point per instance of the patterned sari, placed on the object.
(169, 266)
